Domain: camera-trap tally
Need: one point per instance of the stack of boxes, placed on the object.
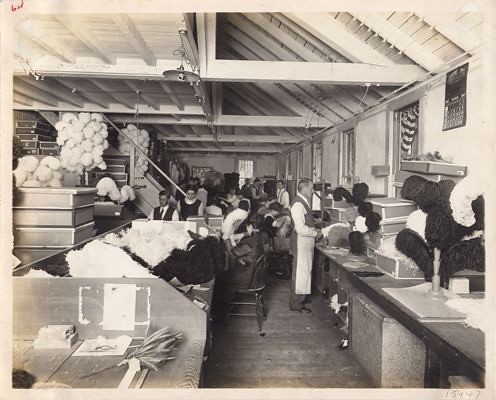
(36, 138)
(394, 213)
(49, 220)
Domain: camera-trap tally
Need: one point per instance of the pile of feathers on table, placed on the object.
(164, 250)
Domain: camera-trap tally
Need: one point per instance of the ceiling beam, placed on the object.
(198, 132)
(170, 93)
(206, 25)
(185, 30)
(111, 92)
(287, 71)
(397, 38)
(48, 67)
(226, 120)
(282, 37)
(276, 107)
(133, 36)
(335, 35)
(447, 26)
(146, 98)
(35, 93)
(232, 149)
(240, 138)
(52, 87)
(78, 30)
(53, 45)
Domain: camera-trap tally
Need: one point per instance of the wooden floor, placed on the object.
(297, 351)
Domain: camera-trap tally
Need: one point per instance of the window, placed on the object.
(348, 158)
(407, 126)
(317, 162)
(245, 169)
(300, 163)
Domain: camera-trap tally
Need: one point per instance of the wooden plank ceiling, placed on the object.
(268, 80)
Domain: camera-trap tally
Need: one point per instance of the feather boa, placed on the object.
(466, 191)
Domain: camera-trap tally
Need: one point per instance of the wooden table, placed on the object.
(451, 347)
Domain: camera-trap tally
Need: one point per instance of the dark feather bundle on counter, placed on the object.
(466, 254)
(373, 221)
(412, 245)
(359, 192)
(412, 187)
(365, 208)
(357, 243)
(341, 193)
(429, 197)
(203, 259)
(441, 229)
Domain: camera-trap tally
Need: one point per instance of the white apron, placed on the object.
(304, 259)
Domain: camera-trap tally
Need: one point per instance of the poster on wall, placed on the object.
(455, 98)
(199, 172)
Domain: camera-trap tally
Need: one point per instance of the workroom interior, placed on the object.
(246, 199)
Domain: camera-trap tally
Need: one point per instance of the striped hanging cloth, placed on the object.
(408, 127)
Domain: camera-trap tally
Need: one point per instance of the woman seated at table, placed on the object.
(190, 206)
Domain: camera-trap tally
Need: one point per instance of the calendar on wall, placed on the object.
(455, 100)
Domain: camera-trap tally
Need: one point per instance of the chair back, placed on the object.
(260, 273)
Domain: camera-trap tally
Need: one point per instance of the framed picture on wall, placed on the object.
(199, 172)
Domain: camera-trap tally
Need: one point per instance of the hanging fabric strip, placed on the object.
(408, 127)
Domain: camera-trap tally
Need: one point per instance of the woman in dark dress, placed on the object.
(190, 205)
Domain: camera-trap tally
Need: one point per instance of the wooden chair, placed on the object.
(256, 289)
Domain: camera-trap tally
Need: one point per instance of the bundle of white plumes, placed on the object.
(141, 138)
(152, 242)
(106, 186)
(82, 138)
(31, 172)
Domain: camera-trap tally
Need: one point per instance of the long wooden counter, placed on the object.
(452, 348)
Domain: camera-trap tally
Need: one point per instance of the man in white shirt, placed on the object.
(282, 194)
(164, 212)
(302, 246)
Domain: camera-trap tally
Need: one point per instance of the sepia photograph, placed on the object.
(222, 199)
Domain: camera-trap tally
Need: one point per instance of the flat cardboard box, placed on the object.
(52, 216)
(401, 176)
(434, 168)
(395, 268)
(391, 207)
(52, 236)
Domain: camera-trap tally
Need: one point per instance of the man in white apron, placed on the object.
(282, 194)
(302, 246)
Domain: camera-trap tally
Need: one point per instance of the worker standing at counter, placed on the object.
(164, 212)
(302, 246)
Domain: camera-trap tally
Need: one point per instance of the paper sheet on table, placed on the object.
(355, 264)
(100, 347)
(417, 299)
(119, 306)
(337, 251)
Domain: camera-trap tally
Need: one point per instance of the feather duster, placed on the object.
(446, 186)
(337, 235)
(359, 192)
(341, 193)
(107, 187)
(127, 193)
(461, 198)
(365, 208)
(373, 221)
(429, 197)
(413, 246)
(412, 186)
(466, 254)
(28, 163)
(441, 230)
(357, 243)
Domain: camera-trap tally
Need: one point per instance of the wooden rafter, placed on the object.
(237, 139)
(270, 102)
(19, 98)
(111, 92)
(335, 35)
(399, 40)
(53, 45)
(88, 96)
(36, 94)
(50, 86)
(78, 30)
(133, 36)
(283, 38)
(170, 93)
(447, 26)
(146, 98)
(255, 35)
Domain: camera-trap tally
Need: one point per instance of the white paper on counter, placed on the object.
(101, 346)
(119, 306)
